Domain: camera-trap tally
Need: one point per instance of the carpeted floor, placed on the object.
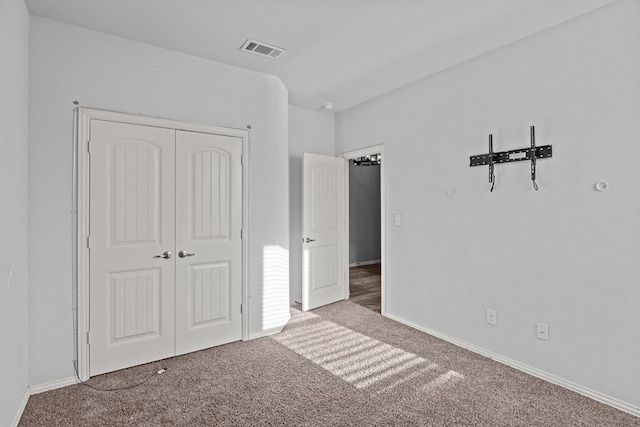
(340, 365)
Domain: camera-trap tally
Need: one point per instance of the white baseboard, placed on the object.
(23, 404)
(268, 332)
(602, 398)
(360, 263)
(40, 389)
(52, 385)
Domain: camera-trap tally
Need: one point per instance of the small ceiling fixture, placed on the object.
(327, 106)
(262, 49)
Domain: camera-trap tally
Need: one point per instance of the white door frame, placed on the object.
(83, 117)
(376, 149)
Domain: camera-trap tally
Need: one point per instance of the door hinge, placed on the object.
(88, 242)
(241, 235)
(88, 337)
(242, 160)
(88, 146)
(240, 308)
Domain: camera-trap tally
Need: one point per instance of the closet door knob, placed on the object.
(165, 255)
(308, 240)
(184, 254)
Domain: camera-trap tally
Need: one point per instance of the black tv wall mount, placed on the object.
(531, 154)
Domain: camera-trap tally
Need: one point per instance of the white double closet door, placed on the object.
(165, 243)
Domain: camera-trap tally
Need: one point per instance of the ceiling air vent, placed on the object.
(262, 49)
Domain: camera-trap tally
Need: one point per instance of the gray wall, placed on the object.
(101, 71)
(311, 132)
(14, 72)
(566, 255)
(364, 213)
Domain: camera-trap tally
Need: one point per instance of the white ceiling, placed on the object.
(339, 51)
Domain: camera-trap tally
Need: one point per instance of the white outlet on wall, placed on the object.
(542, 331)
(492, 317)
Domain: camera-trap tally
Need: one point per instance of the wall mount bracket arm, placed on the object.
(492, 175)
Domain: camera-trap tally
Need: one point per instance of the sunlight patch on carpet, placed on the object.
(364, 362)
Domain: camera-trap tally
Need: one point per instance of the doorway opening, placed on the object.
(365, 201)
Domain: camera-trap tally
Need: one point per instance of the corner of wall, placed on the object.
(14, 215)
(313, 132)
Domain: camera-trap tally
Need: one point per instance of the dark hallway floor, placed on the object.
(365, 286)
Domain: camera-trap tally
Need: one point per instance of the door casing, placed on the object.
(81, 165)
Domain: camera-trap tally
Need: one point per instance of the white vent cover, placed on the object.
(262, 49)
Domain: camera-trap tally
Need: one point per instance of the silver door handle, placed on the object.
(184, 254)
(165, 255)
(308, 240)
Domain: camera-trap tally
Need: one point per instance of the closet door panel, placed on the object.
(208, 240)
(132, 211)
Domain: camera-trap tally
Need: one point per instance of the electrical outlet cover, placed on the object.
(492, 317)
(542, 331)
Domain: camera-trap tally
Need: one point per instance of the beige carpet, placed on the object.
(340, 365)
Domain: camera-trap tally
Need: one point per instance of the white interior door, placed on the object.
(165, 248)
(132, 224)
(208, 240)
(324, 249)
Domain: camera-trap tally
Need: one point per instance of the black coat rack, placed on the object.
(531, 153)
